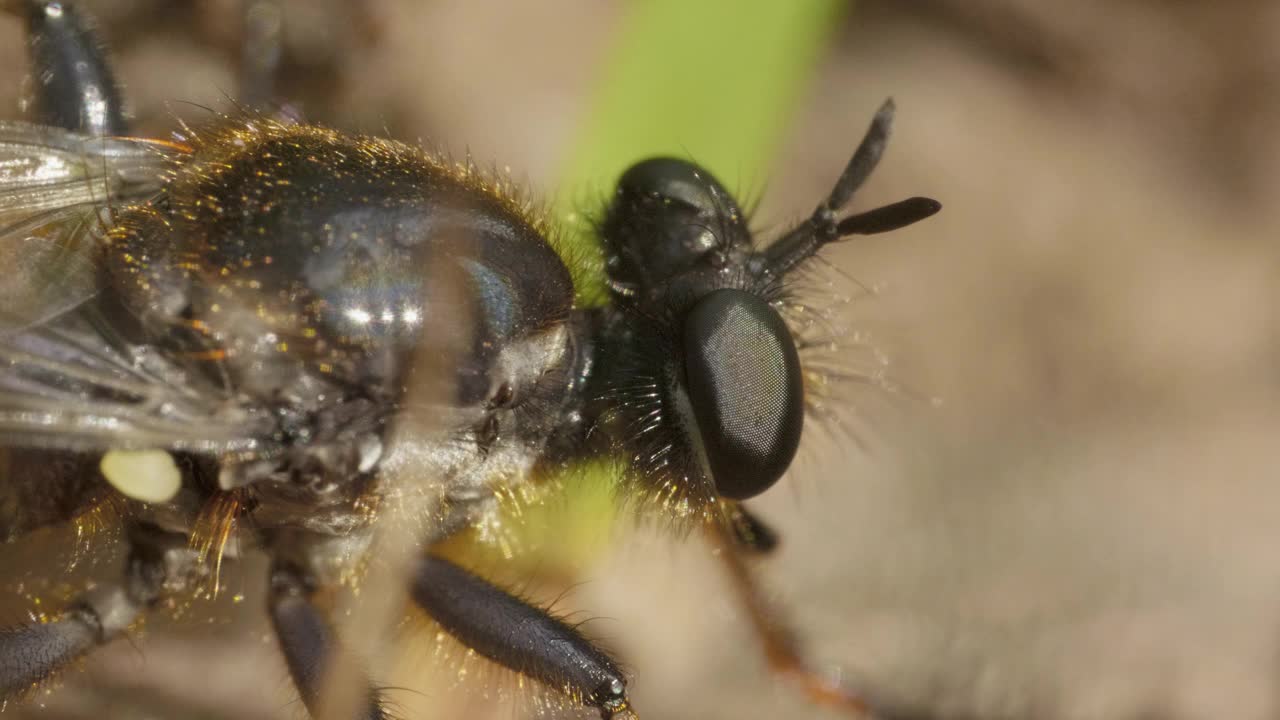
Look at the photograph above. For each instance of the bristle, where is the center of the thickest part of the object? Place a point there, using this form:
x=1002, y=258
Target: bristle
x=96, y=528
x=213, y=529
x=241, y=134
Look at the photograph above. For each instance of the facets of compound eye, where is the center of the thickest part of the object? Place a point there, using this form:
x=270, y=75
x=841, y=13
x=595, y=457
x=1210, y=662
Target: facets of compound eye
x=742, y=376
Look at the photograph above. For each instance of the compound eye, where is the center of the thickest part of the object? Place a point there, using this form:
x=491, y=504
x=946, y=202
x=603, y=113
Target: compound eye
x=742, y=376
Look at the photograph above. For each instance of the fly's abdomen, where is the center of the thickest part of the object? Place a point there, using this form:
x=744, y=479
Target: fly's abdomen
x=39, y=488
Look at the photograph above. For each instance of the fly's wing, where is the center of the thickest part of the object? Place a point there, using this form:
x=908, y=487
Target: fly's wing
x=56, y=192
x=63, y=382
x=65, y=385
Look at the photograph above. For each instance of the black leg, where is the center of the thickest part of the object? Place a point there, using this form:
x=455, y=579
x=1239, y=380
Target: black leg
x=780, y=646
x=311, y=649
x=260, y=53
x=519, y=636
x=31, y=653
x=75, y=87
x=750, y=533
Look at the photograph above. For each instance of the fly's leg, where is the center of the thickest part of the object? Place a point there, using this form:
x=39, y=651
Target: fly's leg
x=260, y=53
x=263, y=54
x=519, y=636
x=311, y=649
x=31, y=653
x=74, y=86
x=751, y=534
x=781, y=647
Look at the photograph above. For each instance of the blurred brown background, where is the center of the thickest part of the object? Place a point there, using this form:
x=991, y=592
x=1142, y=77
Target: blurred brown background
x=1085, y=527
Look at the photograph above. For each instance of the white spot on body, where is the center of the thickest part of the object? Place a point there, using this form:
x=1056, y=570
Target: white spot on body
x=149, y=476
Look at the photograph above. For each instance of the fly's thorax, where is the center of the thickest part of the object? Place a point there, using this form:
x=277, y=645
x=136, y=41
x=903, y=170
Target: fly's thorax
x=347, y=287
x=458, y=452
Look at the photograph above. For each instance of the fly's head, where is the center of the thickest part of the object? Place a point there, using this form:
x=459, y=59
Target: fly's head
x=698, y=364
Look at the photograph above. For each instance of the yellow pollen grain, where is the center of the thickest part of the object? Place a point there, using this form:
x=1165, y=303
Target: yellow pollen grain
x=149, y=476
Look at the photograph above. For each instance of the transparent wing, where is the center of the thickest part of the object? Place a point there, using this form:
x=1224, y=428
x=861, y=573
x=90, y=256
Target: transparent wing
x=65, y=381
x=57, y=189
x=65, y=384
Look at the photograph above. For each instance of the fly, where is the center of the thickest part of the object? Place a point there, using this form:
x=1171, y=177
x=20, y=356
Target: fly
x=279, y=330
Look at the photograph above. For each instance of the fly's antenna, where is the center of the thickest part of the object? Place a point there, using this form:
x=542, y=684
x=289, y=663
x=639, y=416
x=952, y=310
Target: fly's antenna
x=825, y=227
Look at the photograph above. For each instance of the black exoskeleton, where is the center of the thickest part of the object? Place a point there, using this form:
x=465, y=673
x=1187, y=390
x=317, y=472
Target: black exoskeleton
x=283, y=332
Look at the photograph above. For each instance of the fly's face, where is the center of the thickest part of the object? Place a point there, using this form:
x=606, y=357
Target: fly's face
x=700, y=365
x=725, y=369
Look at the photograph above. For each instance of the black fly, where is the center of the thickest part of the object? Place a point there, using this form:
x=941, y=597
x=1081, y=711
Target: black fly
x=282, y=331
